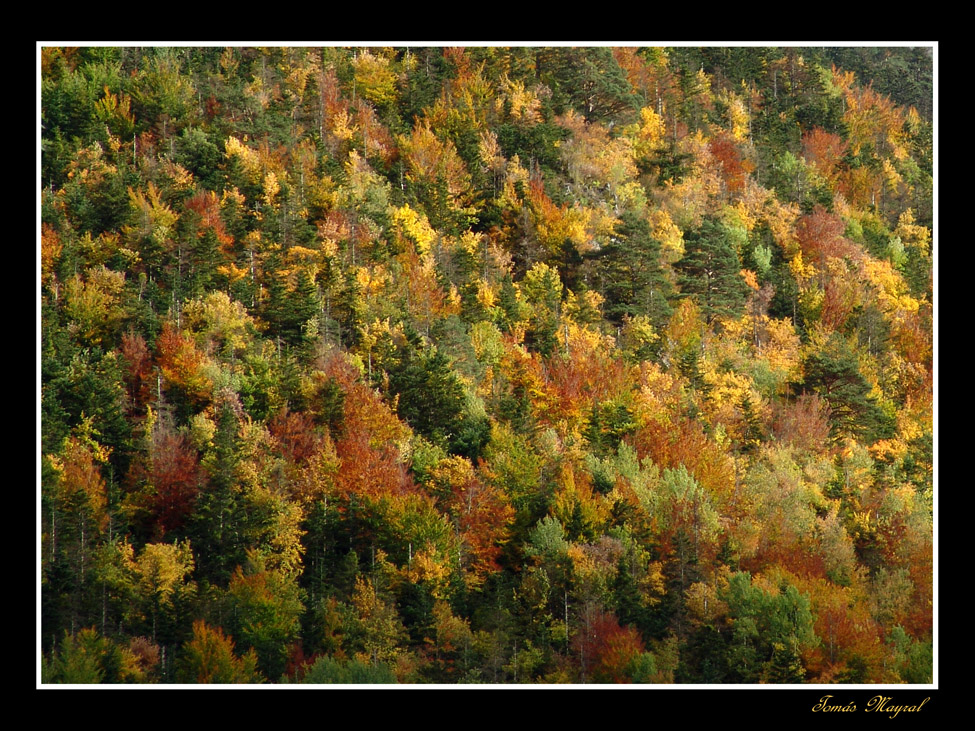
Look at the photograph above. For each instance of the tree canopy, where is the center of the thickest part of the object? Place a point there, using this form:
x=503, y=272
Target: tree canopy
x=486, y=365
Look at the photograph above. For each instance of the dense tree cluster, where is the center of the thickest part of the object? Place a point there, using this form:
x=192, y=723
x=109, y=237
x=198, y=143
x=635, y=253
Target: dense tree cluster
x=486, y=365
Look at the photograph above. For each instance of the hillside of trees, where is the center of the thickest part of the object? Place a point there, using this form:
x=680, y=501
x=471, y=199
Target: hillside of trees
x=486, y=365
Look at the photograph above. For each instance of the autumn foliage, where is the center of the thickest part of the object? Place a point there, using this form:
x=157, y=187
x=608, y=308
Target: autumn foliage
x=487, y=365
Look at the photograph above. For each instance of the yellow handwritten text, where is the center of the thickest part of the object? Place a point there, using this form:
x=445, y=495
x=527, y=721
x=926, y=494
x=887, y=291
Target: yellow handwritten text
x=883, y=704
x=824, y=705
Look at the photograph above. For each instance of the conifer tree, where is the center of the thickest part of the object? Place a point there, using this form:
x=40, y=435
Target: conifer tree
x=710, y=271
x=834, y=374
x=632, y=276
x=218, y=521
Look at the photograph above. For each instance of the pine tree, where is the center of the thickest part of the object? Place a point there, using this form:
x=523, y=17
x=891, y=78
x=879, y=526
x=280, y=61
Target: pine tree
x=834, y=373
x=543, y=293
x=431, y=399
x=205, y=256
x=785, y=666
x=289, y=311
x=303, y=306
x=633, y=278
x=592, y=80
x=710, y=271
x=218, y=521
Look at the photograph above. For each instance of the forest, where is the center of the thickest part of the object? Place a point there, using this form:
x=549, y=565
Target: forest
x=485, y=365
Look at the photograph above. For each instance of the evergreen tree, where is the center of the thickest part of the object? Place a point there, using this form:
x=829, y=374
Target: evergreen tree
x=785, y=666
x=834, y=373
x=84, y=658
x=591, y=81
x=329, y=671
x=632, y=275
x=218, y=523
x=703, y=658
x=289, y=311
x=543, y=293
x=431, y=399
x=204, y=257
x=710, y=271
